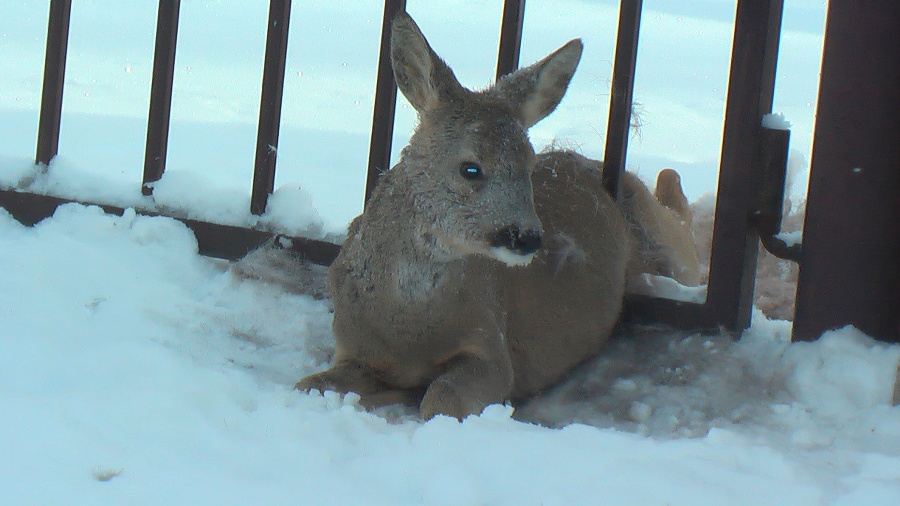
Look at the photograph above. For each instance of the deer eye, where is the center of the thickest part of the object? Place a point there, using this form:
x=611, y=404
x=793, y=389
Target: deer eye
x=471, y=171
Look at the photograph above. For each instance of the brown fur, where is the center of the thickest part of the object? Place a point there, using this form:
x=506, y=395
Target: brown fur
x=661, y=225
x=669, y=193
x=430, y=308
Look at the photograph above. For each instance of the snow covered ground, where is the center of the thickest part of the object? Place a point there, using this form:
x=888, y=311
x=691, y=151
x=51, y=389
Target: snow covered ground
x=134, y=371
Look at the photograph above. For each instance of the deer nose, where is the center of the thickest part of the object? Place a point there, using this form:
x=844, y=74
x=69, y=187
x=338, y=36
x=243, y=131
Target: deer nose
x=511, y=238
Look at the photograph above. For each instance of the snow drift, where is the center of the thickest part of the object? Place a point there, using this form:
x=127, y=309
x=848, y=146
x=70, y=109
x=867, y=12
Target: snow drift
x=133, y=370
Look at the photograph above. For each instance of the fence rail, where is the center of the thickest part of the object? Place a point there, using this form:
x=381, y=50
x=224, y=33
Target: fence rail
x=747, y=187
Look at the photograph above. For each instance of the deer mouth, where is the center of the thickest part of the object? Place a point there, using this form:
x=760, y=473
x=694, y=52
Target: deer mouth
x=515, y=247
x=508, y=246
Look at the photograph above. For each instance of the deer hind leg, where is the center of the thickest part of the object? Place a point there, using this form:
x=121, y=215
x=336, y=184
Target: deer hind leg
x=350, y=376
x=468, y=385
x=670, y=194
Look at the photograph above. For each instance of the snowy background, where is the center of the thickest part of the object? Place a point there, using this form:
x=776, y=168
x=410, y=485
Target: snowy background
x=134, y=371
x=680, y=85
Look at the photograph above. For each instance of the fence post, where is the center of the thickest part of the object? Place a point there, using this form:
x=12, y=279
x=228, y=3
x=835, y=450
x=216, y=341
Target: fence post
x=385, y=102
x=510, y=37
x=751, y=84
x=54, y=77
x=161, y=93
x=621, y=93
x=270, y=104
x=850, y=268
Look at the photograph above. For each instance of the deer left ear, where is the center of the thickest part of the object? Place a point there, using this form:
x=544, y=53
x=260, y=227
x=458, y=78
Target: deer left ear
x=421, y=75
x=535, y=91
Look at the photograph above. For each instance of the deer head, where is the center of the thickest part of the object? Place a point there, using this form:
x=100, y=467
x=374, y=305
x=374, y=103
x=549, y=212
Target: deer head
x=469, y=161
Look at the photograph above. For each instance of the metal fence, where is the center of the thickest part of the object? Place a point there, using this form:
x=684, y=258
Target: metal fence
x=850, y=270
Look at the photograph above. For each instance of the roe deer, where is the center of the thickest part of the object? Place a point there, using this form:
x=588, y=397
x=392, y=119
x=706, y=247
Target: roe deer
x=479, y=271
x=665, y=243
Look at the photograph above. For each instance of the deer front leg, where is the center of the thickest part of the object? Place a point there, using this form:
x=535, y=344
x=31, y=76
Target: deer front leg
x=350, y=376
x=468, y=385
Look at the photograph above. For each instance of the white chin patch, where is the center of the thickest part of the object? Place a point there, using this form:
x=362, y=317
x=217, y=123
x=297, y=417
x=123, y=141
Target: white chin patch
x=509, y=258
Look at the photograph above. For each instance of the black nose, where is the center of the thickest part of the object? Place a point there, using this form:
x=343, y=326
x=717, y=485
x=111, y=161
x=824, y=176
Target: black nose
x=523, y=243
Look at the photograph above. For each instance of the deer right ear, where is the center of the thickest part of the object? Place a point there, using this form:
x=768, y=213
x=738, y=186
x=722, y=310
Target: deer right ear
x=536, y=90
x=421, y=75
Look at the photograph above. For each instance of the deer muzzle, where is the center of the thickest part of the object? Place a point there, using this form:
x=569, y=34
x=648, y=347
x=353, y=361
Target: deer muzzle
x=517, y=241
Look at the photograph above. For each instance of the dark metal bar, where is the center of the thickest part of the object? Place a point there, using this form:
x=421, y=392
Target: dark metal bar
x=215, y=240
x=161, y=93
x=54, y=77
x=750, y=91
x=270, y=105
x=769, y=209
x=385, y=102
x=510, y=37
x=641, y=309
x=850, y=273
x=619, y=123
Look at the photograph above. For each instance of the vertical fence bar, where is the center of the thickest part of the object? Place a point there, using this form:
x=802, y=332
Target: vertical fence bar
x=54, y=77
x=385, y=102
x=270, y=104
x=619, y=123
x=510, y=36
x=751, y=84
x=850, y=269
x=161, y=93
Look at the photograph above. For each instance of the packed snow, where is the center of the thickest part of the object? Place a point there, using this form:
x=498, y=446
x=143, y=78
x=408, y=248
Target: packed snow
x=290, y=209
x=776, y=121
x=135, y=371
x=661, y=286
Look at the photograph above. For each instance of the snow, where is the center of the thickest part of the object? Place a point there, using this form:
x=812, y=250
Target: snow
x=290, y=208
x=136, y=371
x=776, y=121
x=662, y=286
x=791, y=238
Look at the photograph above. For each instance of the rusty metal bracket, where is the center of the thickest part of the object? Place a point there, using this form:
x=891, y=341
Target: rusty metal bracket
x=769, y=209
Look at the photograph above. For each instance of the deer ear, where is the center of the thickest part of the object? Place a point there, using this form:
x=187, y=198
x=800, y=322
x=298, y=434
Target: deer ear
x=421, y=75
x=535, y=91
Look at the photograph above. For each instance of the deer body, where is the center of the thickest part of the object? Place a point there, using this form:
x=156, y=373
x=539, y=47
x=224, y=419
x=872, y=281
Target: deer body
x=479, y=272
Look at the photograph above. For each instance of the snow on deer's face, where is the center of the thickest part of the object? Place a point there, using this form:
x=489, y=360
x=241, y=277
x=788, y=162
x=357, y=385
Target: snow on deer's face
x=469, y=163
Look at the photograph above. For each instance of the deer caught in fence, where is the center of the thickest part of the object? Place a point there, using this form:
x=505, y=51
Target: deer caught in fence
x=481, y=272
